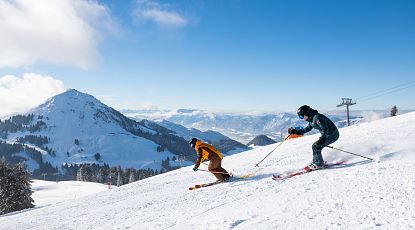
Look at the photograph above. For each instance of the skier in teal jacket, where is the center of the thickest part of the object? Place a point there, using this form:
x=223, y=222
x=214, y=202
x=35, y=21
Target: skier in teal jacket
x=329, y=132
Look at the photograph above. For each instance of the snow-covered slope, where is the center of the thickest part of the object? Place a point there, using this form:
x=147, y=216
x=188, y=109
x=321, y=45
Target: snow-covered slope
x=358, y=195
x=47, y=193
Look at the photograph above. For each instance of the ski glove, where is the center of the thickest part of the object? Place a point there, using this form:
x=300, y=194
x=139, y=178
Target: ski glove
x=292, y=130
x=195, y=169
x=320, y=141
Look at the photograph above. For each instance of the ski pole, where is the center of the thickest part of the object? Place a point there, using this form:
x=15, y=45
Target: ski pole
x=257, y=164
x=348, y=152
x=211, y=171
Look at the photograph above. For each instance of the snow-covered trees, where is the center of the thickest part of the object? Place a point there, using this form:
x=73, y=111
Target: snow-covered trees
x=15, y=192
x=97, y=156
x=84, y=173
x=120, y=177
x=105, y=174
x=40, y=141
x=132, y=175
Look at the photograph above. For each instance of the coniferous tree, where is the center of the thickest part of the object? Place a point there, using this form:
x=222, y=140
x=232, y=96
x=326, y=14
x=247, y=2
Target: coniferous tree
x=113, y=175
x=86, y=172
x=78, y=175
x=15, y=192
x=97, y=156
x=132, y=177
x=100, y=176
x=165, y=164
x=119, y=179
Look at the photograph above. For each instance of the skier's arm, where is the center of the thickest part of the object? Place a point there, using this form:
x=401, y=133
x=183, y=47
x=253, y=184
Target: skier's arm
x=307, y=129
x=199, y=157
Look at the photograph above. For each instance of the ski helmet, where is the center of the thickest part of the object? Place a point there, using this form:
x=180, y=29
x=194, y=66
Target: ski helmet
x=193, y=142
x=303, y=111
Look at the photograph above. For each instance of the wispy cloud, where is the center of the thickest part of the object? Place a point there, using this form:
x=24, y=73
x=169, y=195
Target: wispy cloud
x=161, y=14
x=59, y=32
x=20, y=94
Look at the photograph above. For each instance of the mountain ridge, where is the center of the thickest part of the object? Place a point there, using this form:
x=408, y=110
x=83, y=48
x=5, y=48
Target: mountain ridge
x=74, y=127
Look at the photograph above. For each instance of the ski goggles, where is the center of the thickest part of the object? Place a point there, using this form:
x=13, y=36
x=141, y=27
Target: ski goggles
x=301, y=116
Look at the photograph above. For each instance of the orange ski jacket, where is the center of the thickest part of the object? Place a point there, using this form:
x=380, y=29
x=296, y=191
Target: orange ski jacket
x=205, y=151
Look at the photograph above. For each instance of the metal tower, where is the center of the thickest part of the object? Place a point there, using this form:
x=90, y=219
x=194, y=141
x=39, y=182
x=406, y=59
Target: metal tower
x=347, y=102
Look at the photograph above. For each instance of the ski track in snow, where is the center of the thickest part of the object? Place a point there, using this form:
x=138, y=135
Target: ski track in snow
x=360, y=194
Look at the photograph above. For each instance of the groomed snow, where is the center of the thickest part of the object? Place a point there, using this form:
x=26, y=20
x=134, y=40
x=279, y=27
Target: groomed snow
x=359, y=195
x=48, y=192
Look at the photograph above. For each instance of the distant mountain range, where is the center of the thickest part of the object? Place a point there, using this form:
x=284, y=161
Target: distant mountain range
x=75, y=127
x=245, y=127
x=241, y=127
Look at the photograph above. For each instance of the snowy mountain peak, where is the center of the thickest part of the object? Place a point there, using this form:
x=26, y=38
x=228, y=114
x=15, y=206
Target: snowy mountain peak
x=76, y=128
x=77, y=109
x=69, y=100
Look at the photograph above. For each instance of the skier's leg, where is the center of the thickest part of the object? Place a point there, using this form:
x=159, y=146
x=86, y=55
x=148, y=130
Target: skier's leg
x=216, y=166
x=317, y=157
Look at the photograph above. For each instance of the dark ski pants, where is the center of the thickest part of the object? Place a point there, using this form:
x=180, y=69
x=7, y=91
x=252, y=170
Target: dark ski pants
x=317, y=157
x=216, y=166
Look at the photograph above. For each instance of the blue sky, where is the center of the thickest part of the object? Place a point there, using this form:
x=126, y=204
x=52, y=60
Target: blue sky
x=231, y=55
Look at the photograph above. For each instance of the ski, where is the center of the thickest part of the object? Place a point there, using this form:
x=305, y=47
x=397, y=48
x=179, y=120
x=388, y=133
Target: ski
x=248, y=175
x=197, y=186
x=233, y=178
x=306, y=169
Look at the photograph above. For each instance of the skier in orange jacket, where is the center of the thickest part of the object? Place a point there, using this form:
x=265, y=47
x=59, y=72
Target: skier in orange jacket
x=206, y=151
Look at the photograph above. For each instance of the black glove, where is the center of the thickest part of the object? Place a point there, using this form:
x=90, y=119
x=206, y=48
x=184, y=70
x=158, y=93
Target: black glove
x=320, y=141
x=291, y=130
